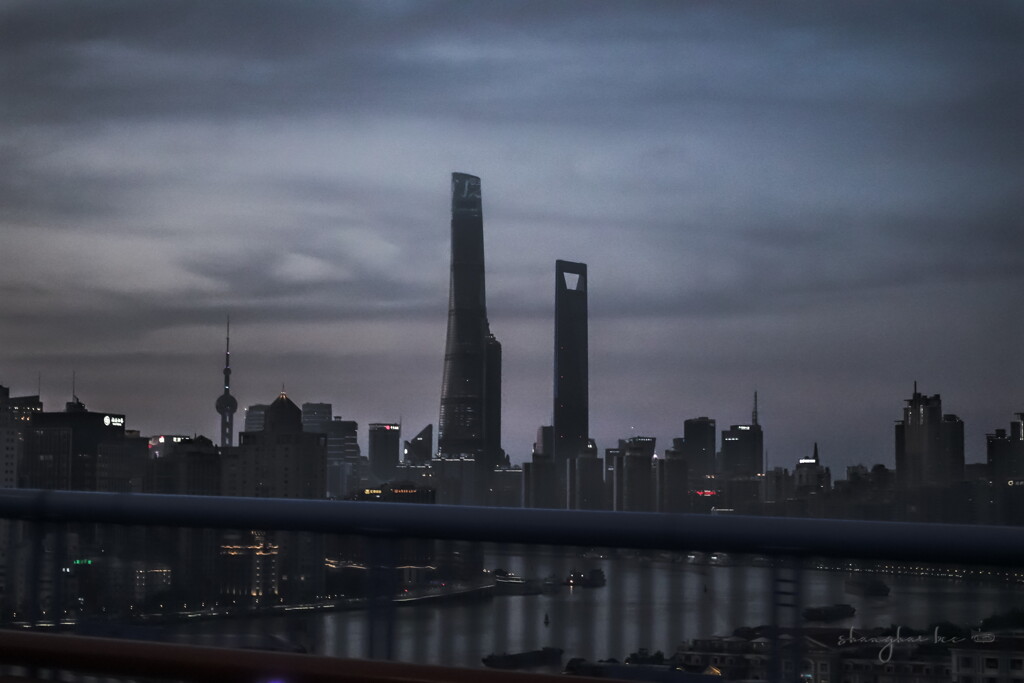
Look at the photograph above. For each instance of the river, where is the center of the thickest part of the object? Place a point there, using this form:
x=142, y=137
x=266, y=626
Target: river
x=655, y=604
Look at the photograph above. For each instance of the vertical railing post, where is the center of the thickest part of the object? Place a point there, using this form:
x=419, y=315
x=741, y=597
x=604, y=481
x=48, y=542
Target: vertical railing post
x=785, y=600
x=382, y=589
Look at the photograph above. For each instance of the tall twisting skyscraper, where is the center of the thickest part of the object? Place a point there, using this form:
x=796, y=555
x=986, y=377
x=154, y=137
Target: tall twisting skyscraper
x=226, y=403
x=471, y=386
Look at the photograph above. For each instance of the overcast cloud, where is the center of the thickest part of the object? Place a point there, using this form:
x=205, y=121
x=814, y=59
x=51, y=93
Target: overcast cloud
x=818, y=201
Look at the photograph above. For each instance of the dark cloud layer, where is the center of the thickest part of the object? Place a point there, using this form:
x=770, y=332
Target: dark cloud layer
x=820, y=201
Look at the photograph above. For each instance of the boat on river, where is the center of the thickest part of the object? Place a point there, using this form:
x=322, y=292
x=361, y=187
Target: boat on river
x=546, y=656
x=593, y=579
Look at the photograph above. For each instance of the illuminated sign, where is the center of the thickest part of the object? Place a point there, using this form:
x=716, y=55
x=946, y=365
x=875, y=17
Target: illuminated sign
x=706, y=493
x=743, y=427
x=113, y=420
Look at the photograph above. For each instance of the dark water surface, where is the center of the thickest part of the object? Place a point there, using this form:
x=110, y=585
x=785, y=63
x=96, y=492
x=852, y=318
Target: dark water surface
x=655, y=604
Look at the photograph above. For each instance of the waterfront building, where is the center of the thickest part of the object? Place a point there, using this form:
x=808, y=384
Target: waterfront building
x=280, y=461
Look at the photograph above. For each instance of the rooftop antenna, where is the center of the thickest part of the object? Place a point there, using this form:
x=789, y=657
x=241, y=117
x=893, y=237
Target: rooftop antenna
x=754, y=416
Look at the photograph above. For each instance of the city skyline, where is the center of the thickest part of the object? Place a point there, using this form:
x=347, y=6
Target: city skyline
x=819, y=203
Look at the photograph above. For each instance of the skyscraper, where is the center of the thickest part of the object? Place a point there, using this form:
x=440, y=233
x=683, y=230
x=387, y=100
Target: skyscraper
x=226, y=403
x=571, y=414
x=384, y=439
x=699, y=436
x=471, y=384
x=929, y=445
x=742, y=453
x=418, y=450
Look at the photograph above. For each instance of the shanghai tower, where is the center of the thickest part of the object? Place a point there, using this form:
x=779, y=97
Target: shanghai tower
x=470, y=420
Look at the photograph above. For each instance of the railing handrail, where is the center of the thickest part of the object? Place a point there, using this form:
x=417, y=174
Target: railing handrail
x=800, y=537
x=199, y=664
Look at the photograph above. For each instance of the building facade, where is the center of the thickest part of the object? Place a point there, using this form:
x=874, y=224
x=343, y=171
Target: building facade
x=571, y=412
x=471, y=383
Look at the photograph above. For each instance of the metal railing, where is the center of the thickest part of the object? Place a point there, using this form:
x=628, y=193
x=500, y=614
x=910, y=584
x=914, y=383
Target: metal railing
x=650, y=558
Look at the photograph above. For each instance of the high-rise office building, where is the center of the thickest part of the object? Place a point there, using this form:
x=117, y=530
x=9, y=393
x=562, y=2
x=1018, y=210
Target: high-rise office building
x=588, y=479
x=929, y=445
x=344, y=464
x=698, y=447
x=810, y=477
x=671, y=475
x=571, y=413
x=742, y=453
x=1005, y=454
x=634, y=478
x=471, y=384
x=254, y=417
x=16, y=413
x=383, y=446
x=1005, y=464
x=418, y=450
x=226, y=403
x=316, y=416
x=79, y=450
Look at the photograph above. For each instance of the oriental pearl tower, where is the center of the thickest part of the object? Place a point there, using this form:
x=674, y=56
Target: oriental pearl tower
x=226, y=403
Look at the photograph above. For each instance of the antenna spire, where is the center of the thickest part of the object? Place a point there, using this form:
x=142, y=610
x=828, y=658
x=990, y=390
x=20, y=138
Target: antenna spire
x=754, y=416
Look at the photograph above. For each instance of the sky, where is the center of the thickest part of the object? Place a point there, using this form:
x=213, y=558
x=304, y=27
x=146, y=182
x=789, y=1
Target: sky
x=817, y=201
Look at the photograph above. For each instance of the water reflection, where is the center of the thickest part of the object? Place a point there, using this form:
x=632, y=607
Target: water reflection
x=650, y=603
